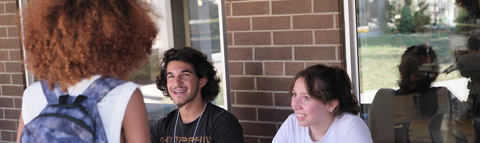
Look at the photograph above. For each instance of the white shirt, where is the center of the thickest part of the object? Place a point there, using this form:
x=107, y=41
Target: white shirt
x=346, y=128
x=111, y=108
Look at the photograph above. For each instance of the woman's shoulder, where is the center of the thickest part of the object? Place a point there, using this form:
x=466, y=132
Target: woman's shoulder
x=33, y=92
x=349, y=122
x=33, y=87
x=349, y=116
x=291, y=131
x=33, y=101
x=350, y=119
x=292, y=122
x=352, y=128
x=292, y=117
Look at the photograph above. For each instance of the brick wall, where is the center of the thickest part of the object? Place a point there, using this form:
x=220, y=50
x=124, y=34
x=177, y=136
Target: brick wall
x=11, y=72
x=269, y=41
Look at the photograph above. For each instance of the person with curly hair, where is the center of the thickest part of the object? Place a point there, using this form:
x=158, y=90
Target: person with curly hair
x=412, y=78
x=189, y=79
x=69, y=44
x=325, y=109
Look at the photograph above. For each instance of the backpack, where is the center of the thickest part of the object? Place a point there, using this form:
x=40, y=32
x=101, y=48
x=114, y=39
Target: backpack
x=70, y=119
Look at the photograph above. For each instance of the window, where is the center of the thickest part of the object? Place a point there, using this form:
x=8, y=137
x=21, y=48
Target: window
x=390, y=39
x=193, y=23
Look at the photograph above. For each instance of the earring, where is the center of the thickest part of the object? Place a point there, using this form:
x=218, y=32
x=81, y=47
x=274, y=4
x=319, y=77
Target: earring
x=331, y=111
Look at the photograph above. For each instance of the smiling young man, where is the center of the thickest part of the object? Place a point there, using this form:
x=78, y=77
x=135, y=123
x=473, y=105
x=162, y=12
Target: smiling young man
x=189, y=79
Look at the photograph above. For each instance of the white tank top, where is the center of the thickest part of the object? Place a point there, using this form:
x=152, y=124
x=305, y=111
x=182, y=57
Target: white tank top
x=111, y=108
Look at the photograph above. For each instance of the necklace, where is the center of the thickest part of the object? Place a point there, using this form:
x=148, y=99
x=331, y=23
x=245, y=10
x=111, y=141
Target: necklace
x=178, y=114
x=311, y=136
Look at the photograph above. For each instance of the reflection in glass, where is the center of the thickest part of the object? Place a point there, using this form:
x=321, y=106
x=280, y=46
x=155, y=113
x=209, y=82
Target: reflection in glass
x=386, y=30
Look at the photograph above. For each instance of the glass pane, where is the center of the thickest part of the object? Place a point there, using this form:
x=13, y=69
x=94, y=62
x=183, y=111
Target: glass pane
x=404, y=46
x=201, y=31
x=29, y=77
x=205, y=34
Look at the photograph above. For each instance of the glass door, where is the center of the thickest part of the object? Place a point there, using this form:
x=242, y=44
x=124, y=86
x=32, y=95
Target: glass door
x=406, y=50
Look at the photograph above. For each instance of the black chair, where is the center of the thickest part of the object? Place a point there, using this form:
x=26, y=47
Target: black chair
x=476, y=128
x=401, y=132
x=380, y=116
x=434, y=127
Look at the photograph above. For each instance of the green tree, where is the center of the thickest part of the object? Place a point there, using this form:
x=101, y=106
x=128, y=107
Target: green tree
x=406, y=21
x=419, y=18
x=459, y=24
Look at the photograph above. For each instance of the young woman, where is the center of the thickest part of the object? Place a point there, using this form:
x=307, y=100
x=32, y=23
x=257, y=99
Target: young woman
x=325, y=109
x=412, y=79
x=71, y=43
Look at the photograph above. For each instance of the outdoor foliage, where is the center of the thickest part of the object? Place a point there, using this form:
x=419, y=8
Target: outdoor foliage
x=420, y=19
x=406, y=20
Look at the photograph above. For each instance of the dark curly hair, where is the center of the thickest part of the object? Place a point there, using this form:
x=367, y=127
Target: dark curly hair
x=414, y=53
x=67, y=40
x=327, y=84
x=201, y=66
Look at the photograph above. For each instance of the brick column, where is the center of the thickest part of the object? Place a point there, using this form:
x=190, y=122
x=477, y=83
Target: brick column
x=11, y=72
x=269, y=41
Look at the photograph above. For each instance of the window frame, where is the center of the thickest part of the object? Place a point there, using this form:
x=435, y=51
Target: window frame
x=351, y=46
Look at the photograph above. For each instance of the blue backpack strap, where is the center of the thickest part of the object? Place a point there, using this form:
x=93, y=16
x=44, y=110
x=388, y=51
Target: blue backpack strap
x=51, y=95
x=100, y=87
x=95, y=93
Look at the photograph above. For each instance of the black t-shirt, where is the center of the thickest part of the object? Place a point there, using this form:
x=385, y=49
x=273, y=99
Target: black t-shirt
x=216, y=126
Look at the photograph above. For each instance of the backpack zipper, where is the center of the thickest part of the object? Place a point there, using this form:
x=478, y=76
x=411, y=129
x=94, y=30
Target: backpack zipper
x=75, y=120
x=85, y=110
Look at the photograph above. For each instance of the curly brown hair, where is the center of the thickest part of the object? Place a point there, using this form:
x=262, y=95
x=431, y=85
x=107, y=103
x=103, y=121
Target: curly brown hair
x=67, y=40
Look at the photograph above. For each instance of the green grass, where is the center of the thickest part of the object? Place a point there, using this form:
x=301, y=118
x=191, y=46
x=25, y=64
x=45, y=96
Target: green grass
x=378, y=66
x=379, y=59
